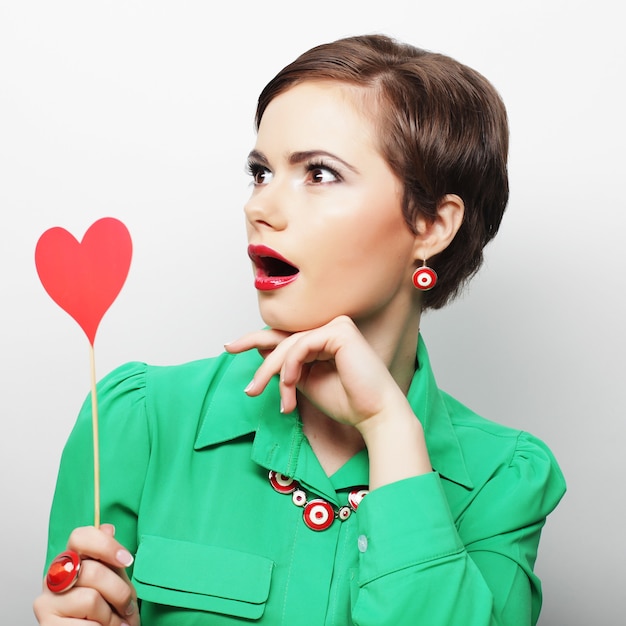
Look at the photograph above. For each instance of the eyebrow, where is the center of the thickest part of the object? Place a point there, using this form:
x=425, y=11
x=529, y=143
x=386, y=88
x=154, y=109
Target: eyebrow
x=295, y=158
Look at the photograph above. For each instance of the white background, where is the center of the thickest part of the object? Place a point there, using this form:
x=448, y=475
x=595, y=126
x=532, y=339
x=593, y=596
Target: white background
x=143, y=111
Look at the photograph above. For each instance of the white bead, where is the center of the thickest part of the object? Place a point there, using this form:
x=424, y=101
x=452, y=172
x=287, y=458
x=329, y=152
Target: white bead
x=299, y=497
x=344, y=513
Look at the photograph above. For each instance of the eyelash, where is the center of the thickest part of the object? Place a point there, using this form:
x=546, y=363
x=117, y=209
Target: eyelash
x=321, y=165
x=254, y=169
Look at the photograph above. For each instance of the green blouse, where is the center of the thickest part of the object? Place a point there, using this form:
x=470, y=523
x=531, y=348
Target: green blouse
x=185, y=455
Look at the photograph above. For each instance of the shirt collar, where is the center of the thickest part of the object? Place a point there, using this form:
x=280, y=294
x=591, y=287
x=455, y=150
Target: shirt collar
x=231, y=414
x=427, y=402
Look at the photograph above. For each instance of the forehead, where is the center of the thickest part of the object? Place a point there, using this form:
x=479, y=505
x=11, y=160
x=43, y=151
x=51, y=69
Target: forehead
x=322, y=110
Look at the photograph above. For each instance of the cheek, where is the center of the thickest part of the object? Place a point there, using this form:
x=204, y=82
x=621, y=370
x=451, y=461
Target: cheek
x=383, y=234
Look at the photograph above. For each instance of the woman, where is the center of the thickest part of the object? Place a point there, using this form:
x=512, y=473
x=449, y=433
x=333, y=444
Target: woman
x=240, y=483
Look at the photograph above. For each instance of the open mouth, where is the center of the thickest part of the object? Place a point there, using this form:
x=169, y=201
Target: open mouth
x=276, y=267
x=272, y=269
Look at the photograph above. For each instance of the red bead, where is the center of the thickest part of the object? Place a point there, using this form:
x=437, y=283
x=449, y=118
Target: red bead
x=281, y=483
x=355, y=497
x=63, y=571
x=318, y=514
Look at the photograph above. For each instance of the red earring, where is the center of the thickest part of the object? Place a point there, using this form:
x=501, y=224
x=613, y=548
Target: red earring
x=424, y=278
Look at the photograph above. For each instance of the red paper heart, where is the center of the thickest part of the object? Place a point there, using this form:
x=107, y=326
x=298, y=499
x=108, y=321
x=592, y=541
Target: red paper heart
x=85, y=278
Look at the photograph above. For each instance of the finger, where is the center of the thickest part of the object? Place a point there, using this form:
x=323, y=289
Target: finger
x=99, y=544
x=309, y=348
x=271, y=366
x=131, y=609
x=263, y=340
x=109, y=529
x=288, y=359
x=112, y=585
x=310, y=351
x=79, y=605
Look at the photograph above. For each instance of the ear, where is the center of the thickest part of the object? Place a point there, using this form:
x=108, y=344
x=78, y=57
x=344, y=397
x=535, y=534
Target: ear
x=435, y=236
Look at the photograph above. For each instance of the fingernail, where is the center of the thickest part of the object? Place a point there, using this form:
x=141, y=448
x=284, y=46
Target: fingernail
x=250, y=387
x=130, y=609
x=282, y=408
x=124, y=557
x=124, y=624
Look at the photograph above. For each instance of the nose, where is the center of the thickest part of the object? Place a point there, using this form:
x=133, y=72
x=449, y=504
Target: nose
x=265, y=208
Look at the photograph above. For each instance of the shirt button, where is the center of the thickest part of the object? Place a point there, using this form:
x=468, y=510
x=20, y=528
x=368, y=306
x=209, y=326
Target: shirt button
x=362, y=543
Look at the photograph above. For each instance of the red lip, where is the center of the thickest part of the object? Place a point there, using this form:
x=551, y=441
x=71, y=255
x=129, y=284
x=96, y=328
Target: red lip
x=273, y=270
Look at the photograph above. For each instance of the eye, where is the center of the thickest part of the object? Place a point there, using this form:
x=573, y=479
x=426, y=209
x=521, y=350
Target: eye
x=261, y=175
x=320, y=173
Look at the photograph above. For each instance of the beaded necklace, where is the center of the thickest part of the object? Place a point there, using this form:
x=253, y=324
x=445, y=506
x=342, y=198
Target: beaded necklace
x=318, y=514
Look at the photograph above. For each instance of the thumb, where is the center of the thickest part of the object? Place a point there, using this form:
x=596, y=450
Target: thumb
x=109, y=529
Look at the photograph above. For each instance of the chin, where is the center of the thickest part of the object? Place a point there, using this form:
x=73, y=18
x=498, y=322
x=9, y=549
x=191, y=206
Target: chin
x=294, y=322
x=289, y=326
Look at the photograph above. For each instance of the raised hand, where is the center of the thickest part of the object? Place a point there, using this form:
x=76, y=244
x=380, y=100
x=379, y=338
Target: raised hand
x=336, y=369
x=333, y=366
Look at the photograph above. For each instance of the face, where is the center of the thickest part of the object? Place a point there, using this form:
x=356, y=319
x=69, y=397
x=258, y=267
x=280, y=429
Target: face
x=325, y=226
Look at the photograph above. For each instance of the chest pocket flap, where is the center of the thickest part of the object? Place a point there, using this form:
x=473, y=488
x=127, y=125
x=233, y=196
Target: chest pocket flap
x=201, y=577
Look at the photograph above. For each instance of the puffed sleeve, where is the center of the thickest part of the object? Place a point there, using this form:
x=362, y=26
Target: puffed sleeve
x=422, y=563
x=124, y=452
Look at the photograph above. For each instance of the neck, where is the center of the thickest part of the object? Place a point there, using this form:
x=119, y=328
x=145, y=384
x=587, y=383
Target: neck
x=396, y=344
x=333, y=443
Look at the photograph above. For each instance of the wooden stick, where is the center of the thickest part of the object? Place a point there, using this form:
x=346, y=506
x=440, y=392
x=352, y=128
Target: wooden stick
x=96, y=444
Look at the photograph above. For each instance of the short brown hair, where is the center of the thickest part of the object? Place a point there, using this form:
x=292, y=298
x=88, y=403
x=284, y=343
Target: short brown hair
x=442, y=127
